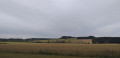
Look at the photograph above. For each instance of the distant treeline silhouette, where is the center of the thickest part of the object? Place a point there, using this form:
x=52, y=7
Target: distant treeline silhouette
x=20, y=39
x=94, y=39
x=12, y=40
x=106, y=40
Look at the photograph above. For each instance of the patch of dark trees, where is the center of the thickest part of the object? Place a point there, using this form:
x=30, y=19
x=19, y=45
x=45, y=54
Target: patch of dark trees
x=102, y=40
x=66, y=37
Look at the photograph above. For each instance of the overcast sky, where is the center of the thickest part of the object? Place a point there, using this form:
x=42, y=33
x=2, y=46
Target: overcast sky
x=55, y=18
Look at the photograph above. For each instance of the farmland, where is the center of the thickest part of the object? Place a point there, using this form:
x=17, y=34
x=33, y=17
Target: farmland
x=72, y=40
x=61, y=49
x=23, y=55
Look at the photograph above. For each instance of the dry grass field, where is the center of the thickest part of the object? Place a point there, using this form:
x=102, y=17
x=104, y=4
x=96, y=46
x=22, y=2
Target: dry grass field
x=72, y=40
x=23, y=55
x=80, y=50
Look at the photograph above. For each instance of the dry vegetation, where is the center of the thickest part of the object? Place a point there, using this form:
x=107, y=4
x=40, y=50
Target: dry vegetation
x=72, y=40
x=21, y=55
x=95, y=50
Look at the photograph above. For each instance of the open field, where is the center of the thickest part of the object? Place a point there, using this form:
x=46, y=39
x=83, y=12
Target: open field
x=71, y=40
x=62, y=49
x=18, y=55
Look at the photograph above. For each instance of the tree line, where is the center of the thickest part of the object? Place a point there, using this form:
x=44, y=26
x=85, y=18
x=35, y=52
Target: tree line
x=106, y=40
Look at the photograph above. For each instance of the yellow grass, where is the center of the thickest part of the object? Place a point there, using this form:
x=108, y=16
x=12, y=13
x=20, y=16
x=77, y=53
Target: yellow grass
x=95, y=50
x=22, y=55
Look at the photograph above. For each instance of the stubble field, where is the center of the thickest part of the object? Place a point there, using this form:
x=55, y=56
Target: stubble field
x=62, y=49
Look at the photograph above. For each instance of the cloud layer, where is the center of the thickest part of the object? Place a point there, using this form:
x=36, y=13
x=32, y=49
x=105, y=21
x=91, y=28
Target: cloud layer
x=55, y=18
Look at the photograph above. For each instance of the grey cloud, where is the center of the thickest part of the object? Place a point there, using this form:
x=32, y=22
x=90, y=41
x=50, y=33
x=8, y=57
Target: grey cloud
x=55, y=18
